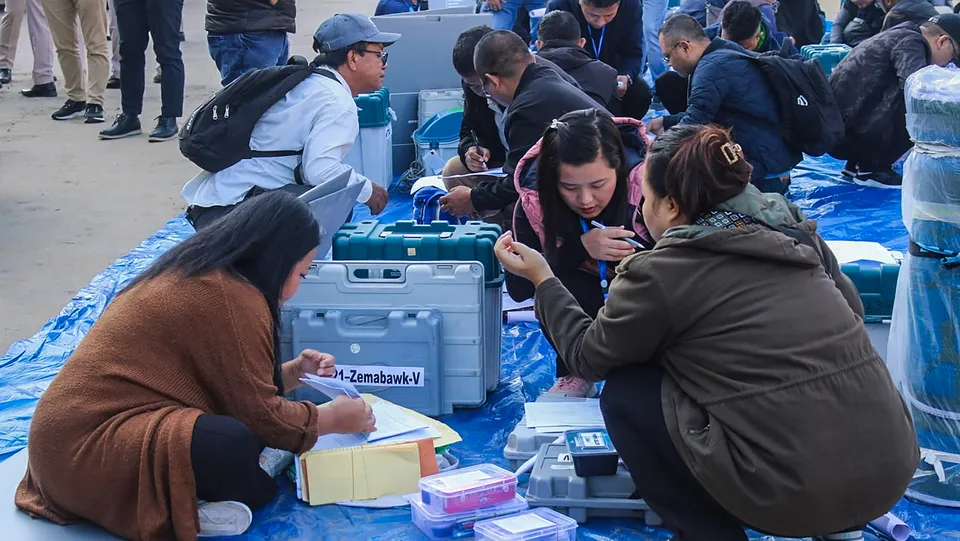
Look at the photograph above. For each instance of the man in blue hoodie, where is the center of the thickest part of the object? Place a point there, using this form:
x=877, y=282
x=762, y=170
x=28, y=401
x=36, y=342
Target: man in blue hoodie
x=731, y=91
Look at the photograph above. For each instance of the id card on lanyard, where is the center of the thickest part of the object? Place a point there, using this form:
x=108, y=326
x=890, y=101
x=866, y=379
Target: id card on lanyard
x=597, y=47
x=601, y=266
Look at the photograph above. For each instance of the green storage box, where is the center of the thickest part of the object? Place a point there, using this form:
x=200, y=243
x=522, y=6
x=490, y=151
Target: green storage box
x=374, y=109
x=877, y=285
x=407, y=240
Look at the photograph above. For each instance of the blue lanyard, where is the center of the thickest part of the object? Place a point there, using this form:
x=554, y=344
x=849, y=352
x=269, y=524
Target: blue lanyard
x=597, y=47
x=601, y=264
x=415, y=8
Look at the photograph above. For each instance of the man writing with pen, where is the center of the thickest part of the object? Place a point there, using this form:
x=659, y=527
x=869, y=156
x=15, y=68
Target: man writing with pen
x=511, y=96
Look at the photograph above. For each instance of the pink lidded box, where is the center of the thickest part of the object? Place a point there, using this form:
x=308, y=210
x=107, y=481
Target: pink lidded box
x=469, y=488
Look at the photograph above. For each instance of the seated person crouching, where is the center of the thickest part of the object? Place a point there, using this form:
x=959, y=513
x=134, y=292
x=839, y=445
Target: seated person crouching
x=741, y=385
x=175, y=390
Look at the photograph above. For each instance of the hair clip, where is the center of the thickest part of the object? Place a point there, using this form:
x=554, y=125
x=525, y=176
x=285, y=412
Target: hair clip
x=555, y=125
x=732, y=152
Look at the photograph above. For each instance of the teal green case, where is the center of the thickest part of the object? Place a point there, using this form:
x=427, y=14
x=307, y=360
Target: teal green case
x=877, y=285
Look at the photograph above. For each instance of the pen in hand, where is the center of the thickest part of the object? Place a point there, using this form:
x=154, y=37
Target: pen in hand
x=476, y=145
x=631, y=242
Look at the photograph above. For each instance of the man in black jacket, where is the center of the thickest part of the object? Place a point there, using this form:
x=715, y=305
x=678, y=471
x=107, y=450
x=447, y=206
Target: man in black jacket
x=614, y=34
x=868, y=85
x=559, y=40
x=482, y=117
x=534, y=93
x=244, y=35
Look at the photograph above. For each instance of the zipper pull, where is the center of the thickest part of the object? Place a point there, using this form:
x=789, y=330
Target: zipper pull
x=215, y=117
x=226, y=111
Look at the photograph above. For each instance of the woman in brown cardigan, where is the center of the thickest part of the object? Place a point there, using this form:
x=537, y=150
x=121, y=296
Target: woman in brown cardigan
x=176, y=389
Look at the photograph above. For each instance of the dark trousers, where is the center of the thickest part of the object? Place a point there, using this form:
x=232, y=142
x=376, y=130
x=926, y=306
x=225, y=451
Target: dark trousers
x=631, y=408
x=236, y=54
x=137, y=21
x=586, y=289
x=867, y=156
x=635, y=102
x=226, y=463
x=671, y=90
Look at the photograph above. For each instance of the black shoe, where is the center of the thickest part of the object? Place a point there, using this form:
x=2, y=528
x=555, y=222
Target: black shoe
x=157, y=78
x=46, y=90
x=70, y=109
x=880, y=179
x=5, y=76
x=124, y=126
x=166, y=129
x=93, y=114
x=850, y=169
x=113, y=83
x=183, y=37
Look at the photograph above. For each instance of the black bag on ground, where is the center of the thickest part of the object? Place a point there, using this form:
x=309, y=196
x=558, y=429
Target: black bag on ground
x=217, y=134
x=810, y=120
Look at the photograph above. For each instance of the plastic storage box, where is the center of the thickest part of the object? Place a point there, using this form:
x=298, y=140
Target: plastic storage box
x=829, y=54
x=439, y=526
x=555, y=484
x=593, y=453
x=439, y=241
x=455, y=289
x=441, y=133
x=524, y=442
x=877, y=285
x=431, y=102
x=394, y=354
x=466, y=489
x=372, y=152
x=536, y=525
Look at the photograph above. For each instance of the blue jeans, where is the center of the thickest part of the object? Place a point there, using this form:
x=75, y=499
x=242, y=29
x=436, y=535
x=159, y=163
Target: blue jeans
x=653, y=13
x=236, y=54
x=506, y=18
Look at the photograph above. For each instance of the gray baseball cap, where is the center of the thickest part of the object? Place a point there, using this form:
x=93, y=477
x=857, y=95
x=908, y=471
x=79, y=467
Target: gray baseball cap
x=346, y=29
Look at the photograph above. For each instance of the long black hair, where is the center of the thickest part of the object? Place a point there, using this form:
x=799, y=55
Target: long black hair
x=578, y=138
x=260, y=241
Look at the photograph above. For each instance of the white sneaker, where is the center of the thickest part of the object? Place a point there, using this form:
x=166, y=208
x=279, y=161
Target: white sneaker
x=223, y=518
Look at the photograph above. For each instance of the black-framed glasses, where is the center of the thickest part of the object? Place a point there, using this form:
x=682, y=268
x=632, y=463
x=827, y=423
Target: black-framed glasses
x=483, y=85
x=382, y=54
x=668, y=54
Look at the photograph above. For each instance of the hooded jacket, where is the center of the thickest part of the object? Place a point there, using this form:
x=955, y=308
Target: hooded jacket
x=854, y=25
x=915, y=11
x=868, y=84
x=239, y=16
x=732, y=91
x=773, y=394
x=596, y=79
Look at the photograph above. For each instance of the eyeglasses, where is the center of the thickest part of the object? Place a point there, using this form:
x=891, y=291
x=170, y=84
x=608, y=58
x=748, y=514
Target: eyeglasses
x=483, y=85
x=382, y=54
x=668, y=54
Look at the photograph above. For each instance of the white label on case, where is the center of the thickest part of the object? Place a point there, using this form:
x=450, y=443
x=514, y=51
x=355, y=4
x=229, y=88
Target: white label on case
x=462, y=480
x=523, y=523
x=380, y=376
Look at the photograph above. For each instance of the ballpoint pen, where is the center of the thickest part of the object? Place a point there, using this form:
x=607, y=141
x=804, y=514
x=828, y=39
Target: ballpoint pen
x=476, y=144
x=632, y=242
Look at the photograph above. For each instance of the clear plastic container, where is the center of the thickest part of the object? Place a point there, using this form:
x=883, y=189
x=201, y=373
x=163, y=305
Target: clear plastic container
x=437, y=526
x=467, y=489
x=538, y=525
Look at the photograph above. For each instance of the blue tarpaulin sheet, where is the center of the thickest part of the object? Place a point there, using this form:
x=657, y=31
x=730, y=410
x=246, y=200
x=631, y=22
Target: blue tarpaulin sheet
x=844, y=211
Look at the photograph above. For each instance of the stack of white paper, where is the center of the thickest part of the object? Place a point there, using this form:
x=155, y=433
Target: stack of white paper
x=332, y=387
x=554, y=417
x=847, y=251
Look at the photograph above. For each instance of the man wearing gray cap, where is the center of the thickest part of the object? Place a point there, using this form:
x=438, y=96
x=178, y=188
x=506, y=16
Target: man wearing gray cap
x=318, y=115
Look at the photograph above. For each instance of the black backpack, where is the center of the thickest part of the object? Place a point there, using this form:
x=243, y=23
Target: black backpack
x=217, y=134
x=810, y=120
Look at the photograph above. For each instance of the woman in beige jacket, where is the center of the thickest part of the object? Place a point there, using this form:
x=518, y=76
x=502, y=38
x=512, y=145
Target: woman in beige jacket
x=741, y=386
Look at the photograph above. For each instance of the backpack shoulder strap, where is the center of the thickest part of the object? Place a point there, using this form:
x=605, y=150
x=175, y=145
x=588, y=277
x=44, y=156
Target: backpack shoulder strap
x=326, y=73
x=786, y=48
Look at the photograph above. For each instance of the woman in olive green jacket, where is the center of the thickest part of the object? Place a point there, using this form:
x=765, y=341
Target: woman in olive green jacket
x=742, y=388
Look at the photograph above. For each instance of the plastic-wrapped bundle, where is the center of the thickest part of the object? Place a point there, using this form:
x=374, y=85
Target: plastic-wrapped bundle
x=933, y=105
x=924, y=349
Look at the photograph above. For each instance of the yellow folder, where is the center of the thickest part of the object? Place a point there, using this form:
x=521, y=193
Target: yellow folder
x=372, y=470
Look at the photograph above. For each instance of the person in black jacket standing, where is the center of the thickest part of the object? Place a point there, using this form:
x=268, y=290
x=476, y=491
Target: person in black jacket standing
x=559, y=40
x=534, y=94
x=614, y=34
x=244, y=35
